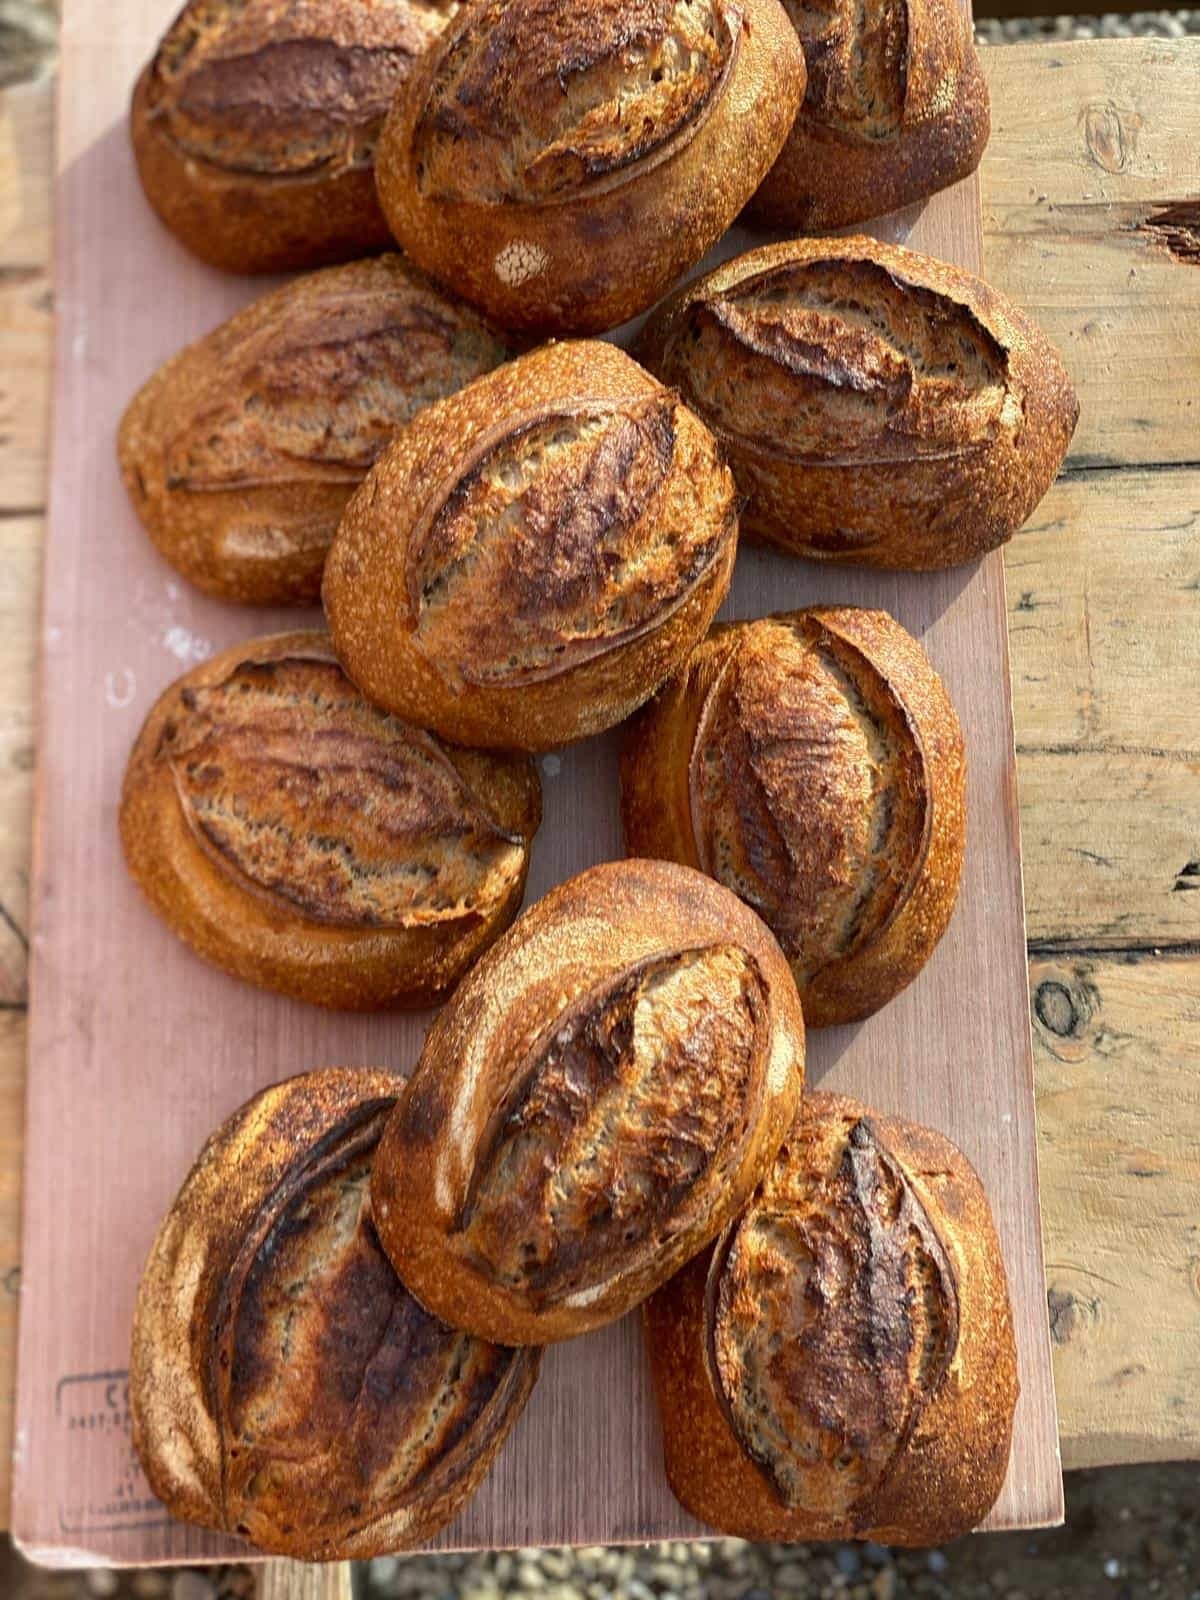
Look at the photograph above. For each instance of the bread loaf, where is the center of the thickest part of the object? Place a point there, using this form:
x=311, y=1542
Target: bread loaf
x=254, y=125
x=599, y=1097
x=896, y=108
x=241, y=453
x=841, y=1364
x=561, y=165
x=284, y=1384
x=877, y=406
x=532, y=557
x=300, y=838
x=812, y=763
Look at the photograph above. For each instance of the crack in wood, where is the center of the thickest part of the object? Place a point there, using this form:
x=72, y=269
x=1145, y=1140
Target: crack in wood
x=1099, y=948
x=11, y=922
x=1088, y=466
x=1175, y=228
x=1147, y=752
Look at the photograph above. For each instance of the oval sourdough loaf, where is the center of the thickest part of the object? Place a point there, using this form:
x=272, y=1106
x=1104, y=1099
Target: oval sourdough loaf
x=813, y=764
x=300, y=838
x=532, y=557
x=841, y=1364
x=254, y=125
x=284, y=1384
x=877, y=406
x=561, y=165
x=241, y=453
x=599, y=1097
x=896, y=108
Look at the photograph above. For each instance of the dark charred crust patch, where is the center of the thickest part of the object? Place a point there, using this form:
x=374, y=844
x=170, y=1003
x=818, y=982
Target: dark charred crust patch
x=809, y=793
x=334, y=1388
x=287, y=91
x=620, y=1110
x=857, y=57
x=609, y=89
x=313, y=800
x=562, y=536
x=832, y=1321
x=842, y=360
x=313, y=384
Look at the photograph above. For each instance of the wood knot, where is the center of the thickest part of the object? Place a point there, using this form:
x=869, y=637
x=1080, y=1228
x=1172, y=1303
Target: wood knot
x=1110, y=136
x=1066, y=1005
x=1069, y=1314
x=1056, y=1009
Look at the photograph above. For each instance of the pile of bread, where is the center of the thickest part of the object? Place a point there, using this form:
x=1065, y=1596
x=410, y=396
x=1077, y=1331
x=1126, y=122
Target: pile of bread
x=518, y=545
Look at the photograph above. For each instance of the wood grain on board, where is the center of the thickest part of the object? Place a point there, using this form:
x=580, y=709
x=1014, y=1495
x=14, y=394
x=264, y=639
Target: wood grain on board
x=1150, y=1021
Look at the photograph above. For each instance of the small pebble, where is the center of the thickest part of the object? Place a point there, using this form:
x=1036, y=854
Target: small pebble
x=149, y=1585
x=849, y=1562
x=877, y=1554
x=481, y=1588
x=936, y=1561
x=1112, y=1568
x=883, y=1585
x=102, y=1582
x=1158, y=1552
x=791, y=1575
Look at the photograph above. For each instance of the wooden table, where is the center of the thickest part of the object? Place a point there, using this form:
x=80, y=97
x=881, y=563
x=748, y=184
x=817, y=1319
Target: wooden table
x=1092, y=220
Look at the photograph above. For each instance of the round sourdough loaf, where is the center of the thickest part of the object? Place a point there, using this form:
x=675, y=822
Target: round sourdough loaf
x=284, y=1384
x=841, y=1364
x=813, y=764
x=561, y=165
x=255, y=122
x=302, y=839
x=597, y=1100
x=877, y=406
x=896, y=108
x=532, y=557
x=241, y=453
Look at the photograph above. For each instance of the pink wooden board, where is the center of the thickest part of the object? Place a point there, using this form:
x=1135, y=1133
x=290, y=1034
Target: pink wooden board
x=137, y=1049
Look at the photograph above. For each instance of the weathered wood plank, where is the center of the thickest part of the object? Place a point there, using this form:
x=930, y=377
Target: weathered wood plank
x=1118, y=1080
x=19, y=552
x=1104, y=613
x=12, y=1117
x=1104, y=623
x=1091, y=202
x=26, y=299
x=1112, y=849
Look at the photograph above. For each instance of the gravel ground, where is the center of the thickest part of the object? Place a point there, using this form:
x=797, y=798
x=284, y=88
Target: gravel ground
x=1130, y=1532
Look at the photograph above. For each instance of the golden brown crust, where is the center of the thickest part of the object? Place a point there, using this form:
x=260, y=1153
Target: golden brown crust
x=241, y=453
x=841, y=1364
x=300, y=838
x=254, y=125
x=596, y=1101
x=560, y=166
x=284, y=1384
x=812, y=763
x=896, y=109
x=877, y=406
x=531, y=558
